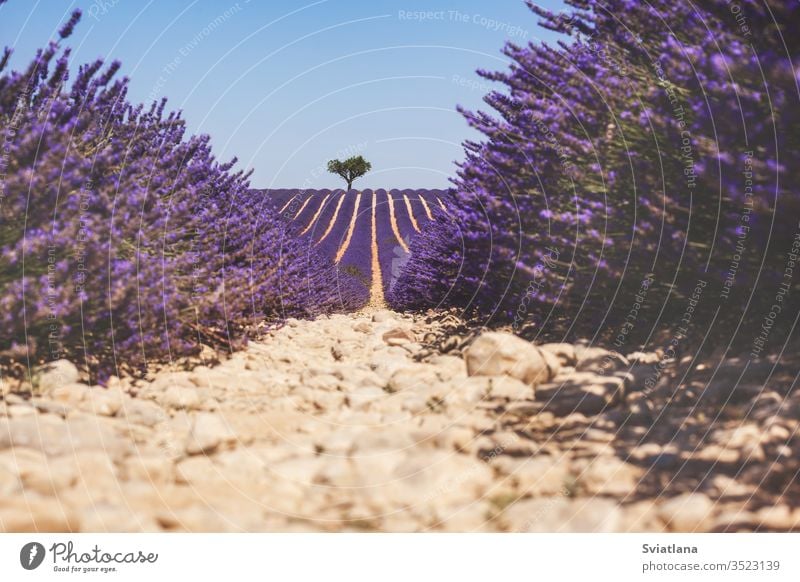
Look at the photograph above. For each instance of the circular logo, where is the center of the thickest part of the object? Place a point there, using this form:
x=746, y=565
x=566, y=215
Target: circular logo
x=31, y=555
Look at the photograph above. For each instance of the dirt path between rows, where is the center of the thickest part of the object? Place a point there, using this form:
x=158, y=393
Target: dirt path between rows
x=358, y=423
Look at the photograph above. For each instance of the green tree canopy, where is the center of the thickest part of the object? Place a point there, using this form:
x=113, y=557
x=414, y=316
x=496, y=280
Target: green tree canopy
x=349, y=170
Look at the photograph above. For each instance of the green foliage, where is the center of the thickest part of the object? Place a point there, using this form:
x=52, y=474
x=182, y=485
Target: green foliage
x=349, y=170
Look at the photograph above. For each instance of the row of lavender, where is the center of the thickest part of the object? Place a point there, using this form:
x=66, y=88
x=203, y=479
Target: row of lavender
x=339, y=225
x=123, y=239
x=638, y=179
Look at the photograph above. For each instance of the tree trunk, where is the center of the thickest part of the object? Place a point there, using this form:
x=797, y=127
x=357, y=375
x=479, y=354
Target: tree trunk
x=349, y=185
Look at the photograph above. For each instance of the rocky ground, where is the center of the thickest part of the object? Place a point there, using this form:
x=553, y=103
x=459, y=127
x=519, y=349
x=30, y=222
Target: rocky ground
x=382, y=422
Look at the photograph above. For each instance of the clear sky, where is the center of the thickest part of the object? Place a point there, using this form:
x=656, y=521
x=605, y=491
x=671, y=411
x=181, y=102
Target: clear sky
x=285, y=85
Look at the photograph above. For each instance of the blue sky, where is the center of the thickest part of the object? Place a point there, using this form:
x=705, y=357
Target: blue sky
x=285, y=85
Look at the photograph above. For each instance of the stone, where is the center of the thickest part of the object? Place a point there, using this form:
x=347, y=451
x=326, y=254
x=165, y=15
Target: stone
x=71, y=394
x=600, y=361
x=385, y=364
x=640, y=517
x=31, y=514
x=638, y=376
x=196, y=470
x=327, y=382
x=412, y=377
x=415, y=404
x=509, y=389
x=468, y=519
x=21, y=410
x=18, y=460
x=564, y=352
x=51, y=438
x=497, y=353
x=91, y=433
x=726, y=391
x=552, y=361
x=192, y=519
x=778, y=518
x=746, y=440
x=150, y=468
x=542, y=475
x=208, y=432
x=607, y=475
x=363, y=327
x=435, y=478
x=103, y=401
x=470, y=391
x=363, y=398
x=586, y=394
x=14, y=399
x=372, y=440
x=459, y=438
x=645, y=358
x=114, y=519
x=246, y=465
x=449, y=367
x=365, y=378
x=49, y=476
x=382, y=316
x=298, y=470
x=50, y=407
x=398, y=335
x=181, y=398
x=640, y=409
x=687, y=513
x=56, y=374
x=10, y=483
x=563, y=515
x=142, y=412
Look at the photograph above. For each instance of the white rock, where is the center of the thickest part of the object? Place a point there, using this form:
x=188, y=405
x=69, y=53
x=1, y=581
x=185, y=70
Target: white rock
x=449, y=367
x=56, y=374
x=510, y=389
x=383, y=316
x=496, y=353
x=143, y=412
x=9, y=482
x=398, y=336
x=181, y=398
x=552, y=361
x=363, y=398
x=363, y=327
x=196, y=470
x=564, y=352
x=541, y=475
x=150, y=468
x=607, y=475
x=412, y=377
x=33, y=514
x=688, y=512
x=564, y=515
x=599, y=360
x=208, y=432
x=69, y=393
x=103, y=401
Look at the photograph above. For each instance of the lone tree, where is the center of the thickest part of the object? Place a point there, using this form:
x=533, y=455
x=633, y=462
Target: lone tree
x=350, y=170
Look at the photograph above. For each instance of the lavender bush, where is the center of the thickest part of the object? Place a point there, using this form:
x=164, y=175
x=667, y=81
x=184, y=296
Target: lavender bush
x=124, y=240
x=638, y=157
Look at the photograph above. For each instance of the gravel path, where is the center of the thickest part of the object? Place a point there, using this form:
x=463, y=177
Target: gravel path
x=356, y=423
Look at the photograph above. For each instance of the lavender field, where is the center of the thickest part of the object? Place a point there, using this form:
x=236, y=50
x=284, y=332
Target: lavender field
x=365, y=233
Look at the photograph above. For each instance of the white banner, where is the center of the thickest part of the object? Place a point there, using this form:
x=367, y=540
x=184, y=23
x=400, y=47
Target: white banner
x=400, y=557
